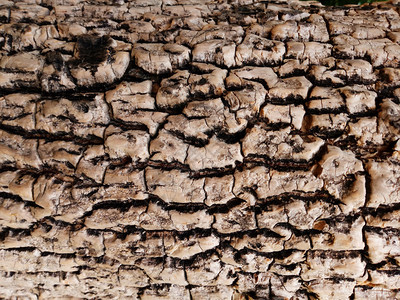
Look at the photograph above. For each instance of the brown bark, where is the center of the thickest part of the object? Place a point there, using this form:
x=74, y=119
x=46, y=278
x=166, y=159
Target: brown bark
x=178, y=149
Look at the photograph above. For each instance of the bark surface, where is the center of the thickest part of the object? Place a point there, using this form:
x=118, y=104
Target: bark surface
x=179, y=149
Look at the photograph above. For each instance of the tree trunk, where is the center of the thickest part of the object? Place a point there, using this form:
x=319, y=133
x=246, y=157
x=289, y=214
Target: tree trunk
x=180, y=149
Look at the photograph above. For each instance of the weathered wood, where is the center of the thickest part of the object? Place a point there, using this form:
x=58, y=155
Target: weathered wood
x=178, y=149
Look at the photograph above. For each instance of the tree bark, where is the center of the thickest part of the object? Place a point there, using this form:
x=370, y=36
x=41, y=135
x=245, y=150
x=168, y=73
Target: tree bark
x=179, y=149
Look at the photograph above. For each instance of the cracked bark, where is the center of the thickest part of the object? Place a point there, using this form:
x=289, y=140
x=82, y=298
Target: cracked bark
x=199, y=150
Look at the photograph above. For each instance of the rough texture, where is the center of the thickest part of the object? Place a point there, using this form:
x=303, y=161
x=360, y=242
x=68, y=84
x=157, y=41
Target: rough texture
x=179, y=149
